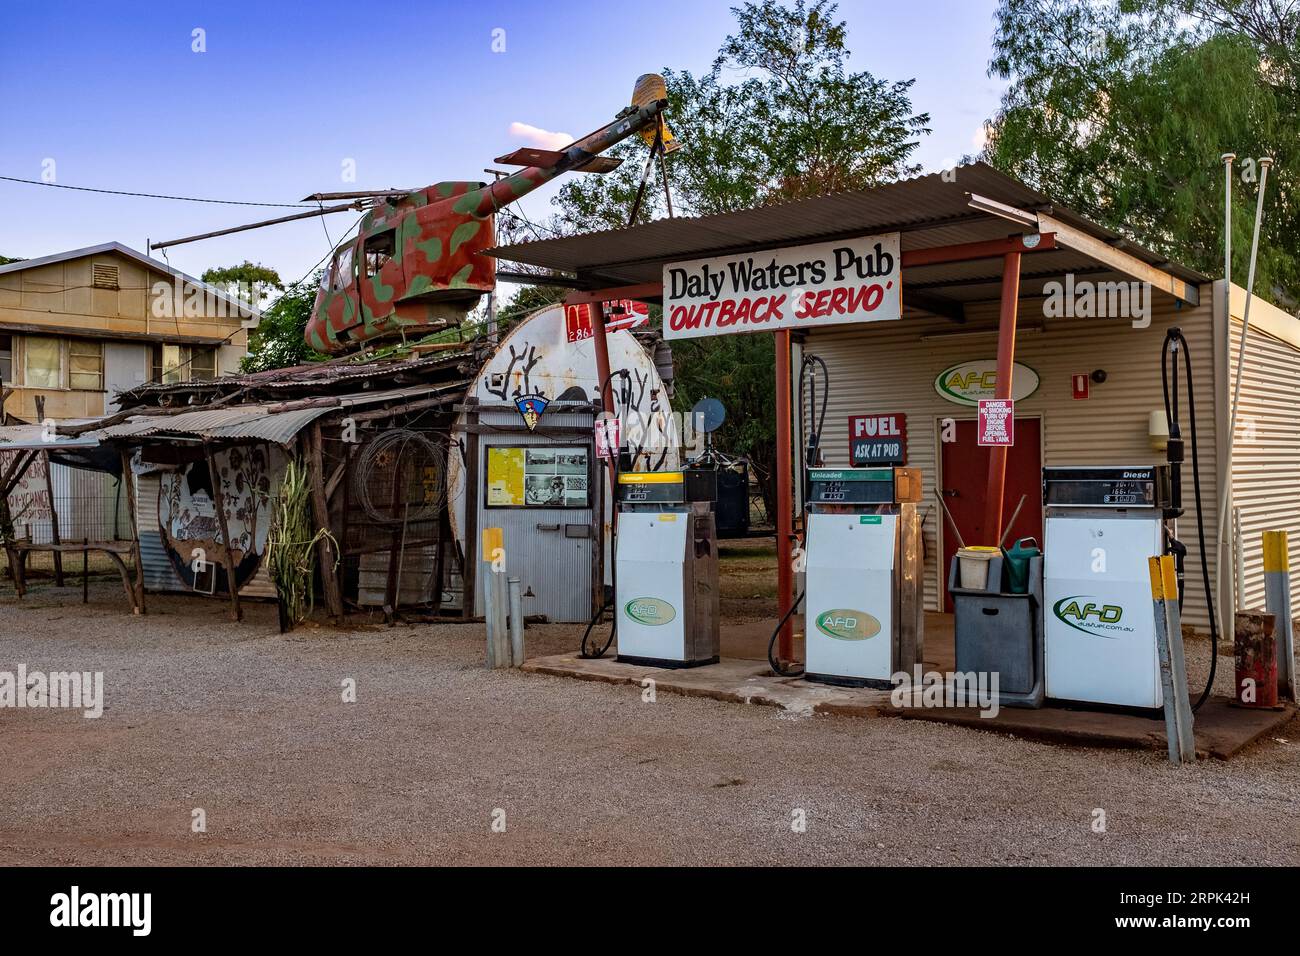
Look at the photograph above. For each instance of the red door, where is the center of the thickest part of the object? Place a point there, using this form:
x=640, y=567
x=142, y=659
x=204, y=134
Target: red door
x=964, y=470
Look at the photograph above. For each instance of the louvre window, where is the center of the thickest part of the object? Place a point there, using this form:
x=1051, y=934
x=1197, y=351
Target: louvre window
x=105, y=276
x=6, y=358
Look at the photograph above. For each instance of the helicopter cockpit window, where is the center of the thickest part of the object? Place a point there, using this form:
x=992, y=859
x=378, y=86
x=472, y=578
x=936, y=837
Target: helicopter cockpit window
x=341, y=274
x=379, y=249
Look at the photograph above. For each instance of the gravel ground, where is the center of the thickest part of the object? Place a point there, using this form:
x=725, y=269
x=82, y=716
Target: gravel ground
x=250, y=727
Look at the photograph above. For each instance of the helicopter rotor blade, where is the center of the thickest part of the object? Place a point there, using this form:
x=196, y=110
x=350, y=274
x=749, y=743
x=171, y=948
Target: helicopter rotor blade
x=358, y=194
x=258, y=225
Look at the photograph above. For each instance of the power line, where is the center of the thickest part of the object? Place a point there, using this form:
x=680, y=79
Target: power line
x=123, y=192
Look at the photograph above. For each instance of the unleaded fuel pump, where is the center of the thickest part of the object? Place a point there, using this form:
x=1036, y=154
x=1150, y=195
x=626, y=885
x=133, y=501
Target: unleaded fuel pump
x=862, y=599
x=666, y=568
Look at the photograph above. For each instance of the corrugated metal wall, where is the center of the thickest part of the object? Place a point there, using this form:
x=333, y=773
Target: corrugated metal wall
x=1266, y=454
x=887, y=367
x=158, y=573
x=555, y=569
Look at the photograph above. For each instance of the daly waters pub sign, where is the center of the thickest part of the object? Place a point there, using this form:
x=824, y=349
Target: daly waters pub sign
x=831, y=283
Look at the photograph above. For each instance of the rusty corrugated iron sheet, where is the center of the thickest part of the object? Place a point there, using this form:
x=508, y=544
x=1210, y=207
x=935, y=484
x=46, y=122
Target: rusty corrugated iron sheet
x=928, y=210
x=260, y=421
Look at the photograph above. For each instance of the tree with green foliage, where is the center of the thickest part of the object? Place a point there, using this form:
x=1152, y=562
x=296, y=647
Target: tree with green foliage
x=248, y=281
x=1122, y=109
x=5, y=260
x=779, y=116
x=278, y=341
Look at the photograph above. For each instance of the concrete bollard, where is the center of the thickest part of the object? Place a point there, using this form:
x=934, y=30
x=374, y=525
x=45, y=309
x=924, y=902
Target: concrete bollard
x=1277, y=598
x=516, y=623
x=495, y=600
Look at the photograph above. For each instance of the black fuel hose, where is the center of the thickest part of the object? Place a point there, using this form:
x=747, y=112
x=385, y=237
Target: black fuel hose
x=588, y=654
x=1168, y=358
x=771, y=644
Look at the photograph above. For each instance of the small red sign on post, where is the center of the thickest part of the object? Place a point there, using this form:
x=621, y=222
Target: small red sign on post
x=997, y=418
x=1079, y=385
x=620, y=315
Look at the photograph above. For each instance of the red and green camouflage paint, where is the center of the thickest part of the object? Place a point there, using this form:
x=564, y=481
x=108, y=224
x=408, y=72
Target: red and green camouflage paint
x=417, y=261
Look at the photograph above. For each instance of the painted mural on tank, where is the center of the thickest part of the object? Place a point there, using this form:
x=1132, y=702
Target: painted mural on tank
x=187, y=514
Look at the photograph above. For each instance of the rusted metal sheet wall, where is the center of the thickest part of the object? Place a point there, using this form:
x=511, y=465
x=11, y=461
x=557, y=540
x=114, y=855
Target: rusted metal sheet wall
x=889, y=367
x=1266, y=454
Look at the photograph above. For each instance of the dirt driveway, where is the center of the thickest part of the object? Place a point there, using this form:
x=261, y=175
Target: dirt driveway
x=250, y=727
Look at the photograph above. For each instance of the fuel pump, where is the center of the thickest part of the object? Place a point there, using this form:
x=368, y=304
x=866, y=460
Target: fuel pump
x=863, y=601
x=666, y=568
x=1101, y=526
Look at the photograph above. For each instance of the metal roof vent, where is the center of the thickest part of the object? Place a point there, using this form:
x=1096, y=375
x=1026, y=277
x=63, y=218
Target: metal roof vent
x=105, y=276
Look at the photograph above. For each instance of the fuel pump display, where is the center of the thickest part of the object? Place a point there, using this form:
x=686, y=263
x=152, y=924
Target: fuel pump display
x=666, y=568
x=1102, y=524
x=863, y=607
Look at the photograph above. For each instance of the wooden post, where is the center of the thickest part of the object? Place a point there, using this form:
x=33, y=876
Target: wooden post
x=128, y=488
x=321, y=514
x=219, y=502
x=997, y=475
x=469, y=570
x=1173, y=669
x=49, y=490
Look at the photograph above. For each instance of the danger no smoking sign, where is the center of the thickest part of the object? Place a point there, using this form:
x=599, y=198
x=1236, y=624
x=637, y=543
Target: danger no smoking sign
x=997, y=417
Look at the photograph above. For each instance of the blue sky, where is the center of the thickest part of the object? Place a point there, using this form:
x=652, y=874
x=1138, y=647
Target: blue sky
x=411, y=92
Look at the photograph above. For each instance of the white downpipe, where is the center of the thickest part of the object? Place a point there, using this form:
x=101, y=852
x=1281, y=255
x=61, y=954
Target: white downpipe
x=1264, y=164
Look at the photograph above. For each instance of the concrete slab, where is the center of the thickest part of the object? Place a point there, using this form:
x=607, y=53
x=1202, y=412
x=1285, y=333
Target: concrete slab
x=739, y=681
x=1222, y=729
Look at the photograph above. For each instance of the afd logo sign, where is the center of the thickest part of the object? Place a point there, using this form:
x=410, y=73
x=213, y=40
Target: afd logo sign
x=650, y=610
x=1088, y=614
x=846, y=624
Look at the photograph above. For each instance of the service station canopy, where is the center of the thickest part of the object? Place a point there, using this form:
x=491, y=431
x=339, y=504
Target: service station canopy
x=947, y=233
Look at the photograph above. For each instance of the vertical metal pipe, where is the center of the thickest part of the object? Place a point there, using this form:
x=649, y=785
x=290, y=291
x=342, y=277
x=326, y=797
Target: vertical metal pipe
x=997, y=475
x=516, y=623
x=1239, y=545
x=1265, y=163
x=784, y=494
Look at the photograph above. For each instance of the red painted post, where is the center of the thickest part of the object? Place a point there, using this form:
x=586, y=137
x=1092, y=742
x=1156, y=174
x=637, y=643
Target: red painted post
x=599, y=338
x=784, y=494
x=1002, y=389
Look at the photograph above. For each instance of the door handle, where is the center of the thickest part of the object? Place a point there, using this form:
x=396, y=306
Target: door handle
x=548, y=527
x=951, y=493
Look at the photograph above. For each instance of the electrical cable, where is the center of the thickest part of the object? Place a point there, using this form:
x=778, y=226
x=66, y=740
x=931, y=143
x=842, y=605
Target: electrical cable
x=1174, y=340
x=123, y=192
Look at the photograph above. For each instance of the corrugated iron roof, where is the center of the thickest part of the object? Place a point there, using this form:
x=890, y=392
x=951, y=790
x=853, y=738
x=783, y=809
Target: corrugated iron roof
x=928, y=210
x=256, y=422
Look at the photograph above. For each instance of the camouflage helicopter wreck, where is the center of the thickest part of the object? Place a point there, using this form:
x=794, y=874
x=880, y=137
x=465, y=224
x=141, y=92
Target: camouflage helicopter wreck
x=415, y=265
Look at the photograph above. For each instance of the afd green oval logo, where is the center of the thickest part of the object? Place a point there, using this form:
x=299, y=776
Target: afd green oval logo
x=1091, y=615
x=967, y=383
x=846, y=624
x=649, y=610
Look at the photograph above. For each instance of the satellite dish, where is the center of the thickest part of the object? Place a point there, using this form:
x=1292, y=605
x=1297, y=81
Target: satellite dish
x=710, y=414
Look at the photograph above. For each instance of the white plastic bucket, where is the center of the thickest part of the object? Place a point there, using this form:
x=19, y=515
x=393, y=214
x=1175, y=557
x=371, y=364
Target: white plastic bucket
x=973, y=567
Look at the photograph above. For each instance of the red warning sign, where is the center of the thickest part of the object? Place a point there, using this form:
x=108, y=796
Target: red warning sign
x=997, y=421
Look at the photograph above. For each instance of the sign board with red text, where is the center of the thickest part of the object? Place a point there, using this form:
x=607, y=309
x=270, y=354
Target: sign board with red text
x=997, y=421
x=830, y=283
x=620, y=315
x=878, y=439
